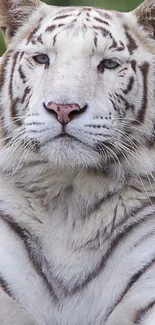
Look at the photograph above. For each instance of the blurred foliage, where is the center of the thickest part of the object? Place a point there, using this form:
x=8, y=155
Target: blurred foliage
x=2, y=48
x=121, y=5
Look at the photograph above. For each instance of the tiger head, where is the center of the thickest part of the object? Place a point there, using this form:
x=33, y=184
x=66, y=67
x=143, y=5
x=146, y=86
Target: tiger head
x=77, y=83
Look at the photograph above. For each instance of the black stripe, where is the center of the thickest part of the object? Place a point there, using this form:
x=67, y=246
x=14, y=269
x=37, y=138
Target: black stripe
x=22, y=74
x=106, y=33
x=114, y=105
x=34, y=31
x=101, y=21
x=95, y=40
x=129, y=86
x=36, y=260
x=25, y=236
x=144, y=70
x=13, y=111
x=15, y=57
x=141, y=313
x=132, y=46
x=39, y=39
x=5, y=286
x=62, y=17
x=14, y=101
x=103, y=13
x=134, y=65
x=3, y=69
x=121, y=47
x=27, y=90
x=50, y=28
x=121, y=235
x=125, y=103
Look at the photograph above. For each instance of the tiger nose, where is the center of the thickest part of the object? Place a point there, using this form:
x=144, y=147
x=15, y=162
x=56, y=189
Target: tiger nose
x=63, y=112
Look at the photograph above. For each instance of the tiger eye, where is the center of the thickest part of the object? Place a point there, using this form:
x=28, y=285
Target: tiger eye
x=41, y=58
x=108, y=64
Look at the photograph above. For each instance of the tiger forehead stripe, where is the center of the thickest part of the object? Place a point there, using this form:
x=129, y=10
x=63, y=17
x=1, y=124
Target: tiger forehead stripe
x=104, y=14
x=53, y=27
x=62, y=17
x=34, y=31
x=105, y=32
x=101, y=21
x=121, y=47
x=50, y=28
x=39, y=39
x=74, y=14
x=132, y=46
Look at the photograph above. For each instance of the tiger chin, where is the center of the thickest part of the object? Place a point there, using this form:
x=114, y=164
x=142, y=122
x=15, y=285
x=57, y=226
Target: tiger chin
x=77, y=165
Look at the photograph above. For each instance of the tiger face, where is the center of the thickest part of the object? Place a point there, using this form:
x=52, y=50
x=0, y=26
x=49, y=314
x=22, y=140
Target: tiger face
x=77, y=84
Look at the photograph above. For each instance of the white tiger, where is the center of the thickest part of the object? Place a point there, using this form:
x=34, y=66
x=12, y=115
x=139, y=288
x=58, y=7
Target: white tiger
x=77, y=165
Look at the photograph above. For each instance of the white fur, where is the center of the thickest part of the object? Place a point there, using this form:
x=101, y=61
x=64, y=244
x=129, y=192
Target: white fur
x=51, y=191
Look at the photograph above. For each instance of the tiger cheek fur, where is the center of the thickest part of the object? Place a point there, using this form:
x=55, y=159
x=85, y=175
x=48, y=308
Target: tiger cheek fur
x=77, y=175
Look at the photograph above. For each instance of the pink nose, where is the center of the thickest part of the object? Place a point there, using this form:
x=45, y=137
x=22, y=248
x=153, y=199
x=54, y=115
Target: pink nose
x=64, y=112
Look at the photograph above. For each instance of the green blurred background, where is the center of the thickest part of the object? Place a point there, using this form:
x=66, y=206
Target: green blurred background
x=121, y=5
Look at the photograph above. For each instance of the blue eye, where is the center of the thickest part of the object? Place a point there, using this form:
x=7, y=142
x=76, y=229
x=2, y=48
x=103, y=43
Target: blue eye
x=108, y=64
x=41, y=58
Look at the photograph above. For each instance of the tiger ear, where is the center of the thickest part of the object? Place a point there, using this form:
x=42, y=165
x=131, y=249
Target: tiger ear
x=146, y=16
x=13, y=14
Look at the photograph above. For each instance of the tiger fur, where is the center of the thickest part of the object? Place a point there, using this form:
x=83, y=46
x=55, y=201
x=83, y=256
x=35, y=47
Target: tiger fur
x=77, y=165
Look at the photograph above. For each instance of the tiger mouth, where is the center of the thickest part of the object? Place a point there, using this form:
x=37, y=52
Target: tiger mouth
x=66, y=136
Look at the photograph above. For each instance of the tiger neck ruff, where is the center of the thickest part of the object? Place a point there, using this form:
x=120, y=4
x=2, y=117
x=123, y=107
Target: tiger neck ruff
x=77, y=165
